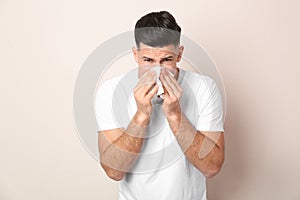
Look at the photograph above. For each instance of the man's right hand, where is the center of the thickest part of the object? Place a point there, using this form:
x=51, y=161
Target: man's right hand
x=144, y=92
x=119, y=148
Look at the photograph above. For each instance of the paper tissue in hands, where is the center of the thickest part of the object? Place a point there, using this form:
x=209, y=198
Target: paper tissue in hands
x=158, y=98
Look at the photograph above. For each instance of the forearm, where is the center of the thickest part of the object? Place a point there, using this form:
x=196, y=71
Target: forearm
x=203, y=151
x=118, y=156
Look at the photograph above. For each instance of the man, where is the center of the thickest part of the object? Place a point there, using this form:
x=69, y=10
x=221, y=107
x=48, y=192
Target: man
x=188, y=113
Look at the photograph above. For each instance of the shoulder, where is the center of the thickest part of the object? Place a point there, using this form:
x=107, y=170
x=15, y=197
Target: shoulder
x=106, y=88
x=109, y=85
x=198, y=81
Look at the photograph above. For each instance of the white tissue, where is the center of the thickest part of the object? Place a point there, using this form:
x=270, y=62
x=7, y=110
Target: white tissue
x=158, y=82
x=157, y=69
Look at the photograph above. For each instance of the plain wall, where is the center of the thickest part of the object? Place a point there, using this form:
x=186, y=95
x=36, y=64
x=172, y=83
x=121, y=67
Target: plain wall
x=255, y=45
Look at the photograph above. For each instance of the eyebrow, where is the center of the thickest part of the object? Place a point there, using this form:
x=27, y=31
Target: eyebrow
x=167, y=57
x=147, y=57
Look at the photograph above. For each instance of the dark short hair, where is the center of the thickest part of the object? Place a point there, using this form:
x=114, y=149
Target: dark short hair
x=157, y=29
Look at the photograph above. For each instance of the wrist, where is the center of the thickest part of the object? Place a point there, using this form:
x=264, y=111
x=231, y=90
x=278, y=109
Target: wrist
x=141, y=119
x=175, y=117
x=175, y=121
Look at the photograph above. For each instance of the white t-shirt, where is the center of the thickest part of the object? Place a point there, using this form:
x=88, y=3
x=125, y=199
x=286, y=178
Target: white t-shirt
x=161, y=171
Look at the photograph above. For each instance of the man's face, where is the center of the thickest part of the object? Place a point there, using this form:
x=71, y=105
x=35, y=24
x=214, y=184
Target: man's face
x=148, y=57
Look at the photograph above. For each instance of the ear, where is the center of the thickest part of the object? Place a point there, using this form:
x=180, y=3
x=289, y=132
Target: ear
x=180, y=51
x=135, y=54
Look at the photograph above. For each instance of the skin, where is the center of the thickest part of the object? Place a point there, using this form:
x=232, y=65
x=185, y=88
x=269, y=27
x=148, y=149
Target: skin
x=205, y=150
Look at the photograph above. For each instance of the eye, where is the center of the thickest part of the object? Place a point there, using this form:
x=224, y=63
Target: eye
x=167, y=59
x=147, y=60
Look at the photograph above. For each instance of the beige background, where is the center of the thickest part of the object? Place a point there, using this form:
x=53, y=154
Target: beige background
x=255, y=44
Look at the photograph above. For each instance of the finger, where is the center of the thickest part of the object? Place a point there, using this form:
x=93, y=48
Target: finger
x=145, y=83
x=172, y=72
x=146, y=77
x=172, y=83
x=145, y=89
x=168, y=90
x=152, y=92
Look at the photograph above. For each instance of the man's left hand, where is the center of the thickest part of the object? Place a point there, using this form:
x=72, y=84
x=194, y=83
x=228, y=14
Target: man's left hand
x=172, y=94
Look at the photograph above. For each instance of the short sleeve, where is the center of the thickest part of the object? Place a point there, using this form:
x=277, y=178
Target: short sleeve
x=103, y=107
x=210, y=116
